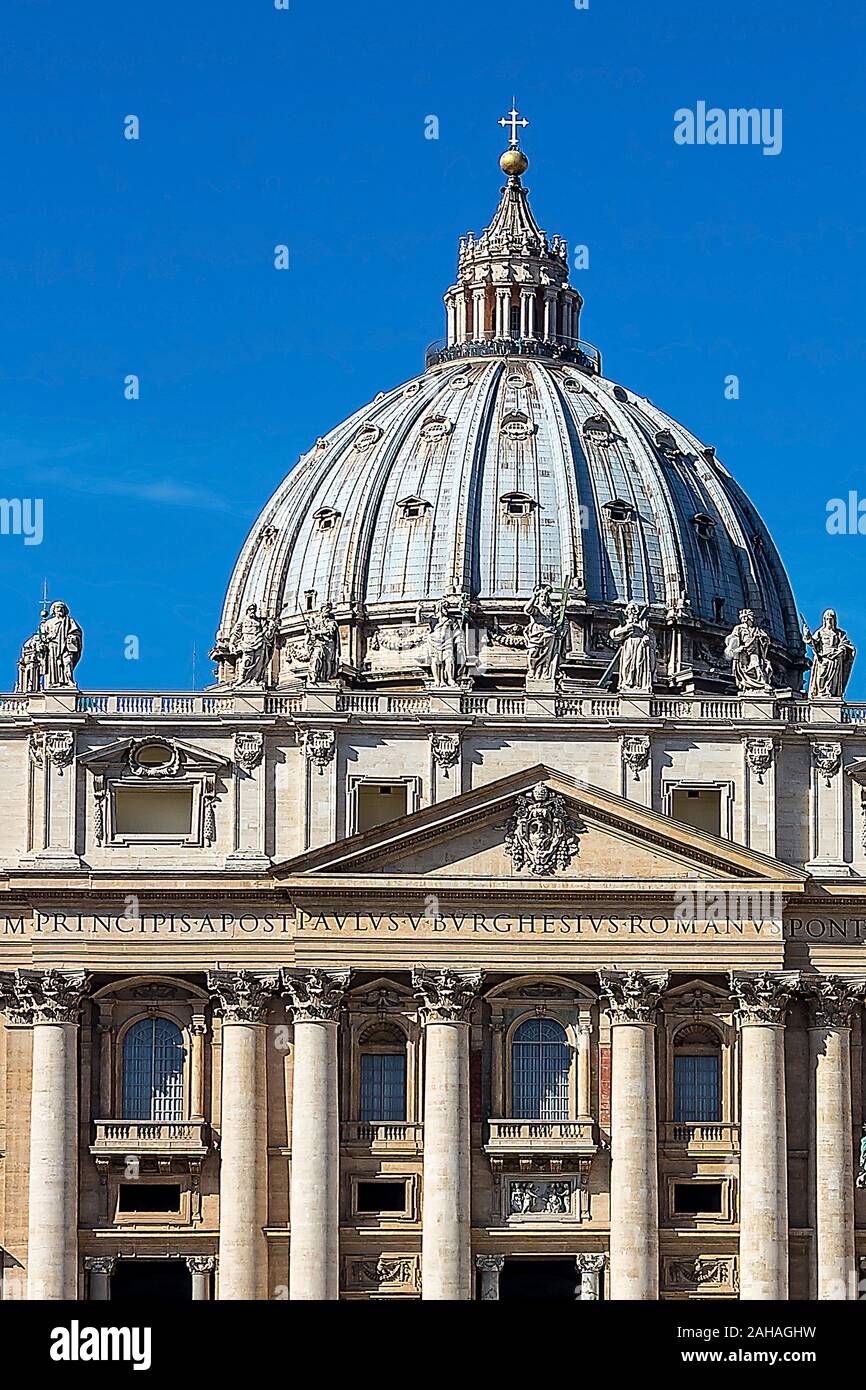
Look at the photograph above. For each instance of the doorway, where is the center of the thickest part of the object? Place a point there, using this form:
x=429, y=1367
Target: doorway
x=162, y=1281
x=539, y=1280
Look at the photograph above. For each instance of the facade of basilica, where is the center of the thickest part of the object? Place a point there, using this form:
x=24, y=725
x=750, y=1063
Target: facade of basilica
x=494, y=926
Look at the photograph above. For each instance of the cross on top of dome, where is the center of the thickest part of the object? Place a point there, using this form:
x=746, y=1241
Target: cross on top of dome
x=512, y=120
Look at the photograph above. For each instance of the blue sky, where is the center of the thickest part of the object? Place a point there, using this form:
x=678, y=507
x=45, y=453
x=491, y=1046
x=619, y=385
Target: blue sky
x=306, y=127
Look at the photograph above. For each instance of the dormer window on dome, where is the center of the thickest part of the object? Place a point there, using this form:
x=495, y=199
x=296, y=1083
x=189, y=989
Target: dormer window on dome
x=518, y=504
x=704, y=525
x=412, y=508
x=619, y=512
x=326, y=518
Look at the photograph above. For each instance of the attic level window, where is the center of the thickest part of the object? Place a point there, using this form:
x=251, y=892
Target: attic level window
x=411, y=508
x=326, y=518
x=380, y=802
x=310, y=600
x=619, y=512
x=518, y=504
x=704, y=525
x=718, y=610
x=700, y=807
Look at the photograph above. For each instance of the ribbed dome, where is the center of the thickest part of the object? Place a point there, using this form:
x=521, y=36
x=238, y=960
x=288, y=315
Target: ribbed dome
x=511, y=462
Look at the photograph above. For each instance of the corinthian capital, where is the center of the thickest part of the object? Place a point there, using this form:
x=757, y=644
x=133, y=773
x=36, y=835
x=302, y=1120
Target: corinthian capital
x=44, y=996
x=241, y=996
x=630, y=996
x=833, y=999
x=445, y=996
x=763, y=997
x=315, y=996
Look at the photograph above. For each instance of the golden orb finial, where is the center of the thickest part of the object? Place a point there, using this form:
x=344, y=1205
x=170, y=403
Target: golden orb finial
x=513, y=162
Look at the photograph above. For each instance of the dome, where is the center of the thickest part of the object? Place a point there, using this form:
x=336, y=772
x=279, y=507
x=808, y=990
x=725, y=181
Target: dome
x=513, y=462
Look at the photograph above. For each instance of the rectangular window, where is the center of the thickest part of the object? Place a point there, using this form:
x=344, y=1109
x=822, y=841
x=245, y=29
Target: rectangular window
x=383, y=1086
x=144, y=1196
x=699, y=807
x=380, y=802
x=698, y=1198
x=381, y=1196
x=153, y=810
x=696, y=1088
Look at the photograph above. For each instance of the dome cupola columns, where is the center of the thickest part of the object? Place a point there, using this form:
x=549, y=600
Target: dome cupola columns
x=512, y=296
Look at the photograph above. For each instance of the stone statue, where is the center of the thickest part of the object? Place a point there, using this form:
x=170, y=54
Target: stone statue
x=637, y=654
x=544, y=635
x=445, y=648
x=747, y=647
x=861, y=1175
x=833, y=656
x=252, y=641
x=48, y=659
x=323, y=635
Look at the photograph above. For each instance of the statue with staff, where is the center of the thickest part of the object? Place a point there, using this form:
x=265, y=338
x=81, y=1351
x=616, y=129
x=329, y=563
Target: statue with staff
x=832, y=658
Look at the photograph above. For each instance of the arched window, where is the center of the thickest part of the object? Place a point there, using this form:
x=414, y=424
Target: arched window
x=153, y=1071
x=383, y=1074
x=540, y=1061
x=697, y=1075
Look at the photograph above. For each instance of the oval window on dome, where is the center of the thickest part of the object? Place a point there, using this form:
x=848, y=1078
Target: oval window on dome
x=620, y=393
x=516, y=425
x=598, y=428
x=436, y=427
x=368, y=435
x=516, y=380
x=460, y=382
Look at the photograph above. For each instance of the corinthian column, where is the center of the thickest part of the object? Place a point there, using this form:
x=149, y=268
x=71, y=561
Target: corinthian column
x=315, y=998
x=242, y=999
x=445, y=999
x=834, y=1000
x=763, y=999
x=51, y=1002
x=631, y=999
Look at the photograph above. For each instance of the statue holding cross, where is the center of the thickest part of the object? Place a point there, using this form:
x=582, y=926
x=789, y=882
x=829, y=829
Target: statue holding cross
x=546, y=631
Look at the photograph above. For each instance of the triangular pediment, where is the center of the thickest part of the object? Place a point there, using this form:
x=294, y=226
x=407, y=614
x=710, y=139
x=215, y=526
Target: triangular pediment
x=603, y=838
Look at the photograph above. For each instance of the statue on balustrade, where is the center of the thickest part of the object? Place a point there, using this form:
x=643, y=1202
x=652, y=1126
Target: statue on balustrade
x=48, y=659
x=544, y=635
x=832, y=658
x=747, y=648
x=638, y=655
x=323, y=640
x=252, y=642
x=445, y=649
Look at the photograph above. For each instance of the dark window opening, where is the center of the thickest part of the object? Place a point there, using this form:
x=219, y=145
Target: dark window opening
x=693, y=1198
x=149, y=1196
x=381, y=1196
x=718, y=610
